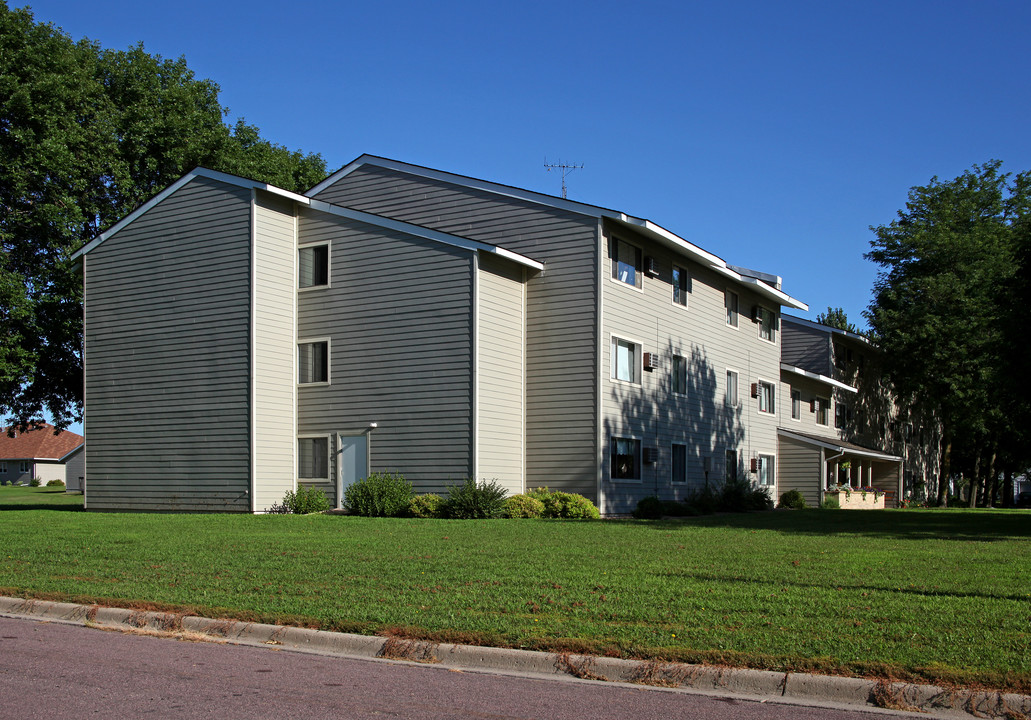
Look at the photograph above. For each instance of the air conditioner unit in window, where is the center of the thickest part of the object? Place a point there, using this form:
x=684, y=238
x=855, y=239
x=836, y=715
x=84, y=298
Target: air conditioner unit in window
x=755, y=390
x=651, y=268
x=755, y=465
x=651, y=361
x=651, y=455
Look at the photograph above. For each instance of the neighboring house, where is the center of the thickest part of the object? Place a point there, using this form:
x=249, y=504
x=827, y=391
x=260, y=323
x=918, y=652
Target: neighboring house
x=38, y=453
x=401, y=318
x=841, y=425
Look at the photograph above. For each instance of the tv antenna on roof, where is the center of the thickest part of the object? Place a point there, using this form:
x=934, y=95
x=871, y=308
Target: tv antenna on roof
x=565, y=168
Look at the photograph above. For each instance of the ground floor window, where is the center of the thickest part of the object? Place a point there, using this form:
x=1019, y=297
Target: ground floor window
x=23, y=466
x=313, y=458
x=625, y=459
x=766, y=470
x=679, y=474
x=730, y=468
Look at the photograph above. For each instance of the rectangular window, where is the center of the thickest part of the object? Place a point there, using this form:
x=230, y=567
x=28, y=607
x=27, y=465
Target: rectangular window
x=840, y=415
x=313, y=458
x=625, y=360
x=730, y=398
x=766, y=471
x=730, y=468
x=730, y=302
x=3, y=468
x=679, y=454
x=679, y=286
x=313, y=266
x=822, y=411
x=767, y=397
x=796, y=404
x=625, y=459
x=767, y=325
x=679, y=372
x=23, y=466
x=313, y=362
x=626, y=263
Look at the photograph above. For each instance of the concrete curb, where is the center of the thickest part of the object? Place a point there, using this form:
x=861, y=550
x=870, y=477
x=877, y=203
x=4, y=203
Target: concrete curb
x=760, y=685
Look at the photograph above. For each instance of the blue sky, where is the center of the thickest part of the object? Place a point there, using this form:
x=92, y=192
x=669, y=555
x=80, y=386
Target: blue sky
x=772, y=134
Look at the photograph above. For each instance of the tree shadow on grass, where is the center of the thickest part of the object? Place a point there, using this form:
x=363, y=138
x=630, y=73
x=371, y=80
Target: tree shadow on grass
x=965, y=525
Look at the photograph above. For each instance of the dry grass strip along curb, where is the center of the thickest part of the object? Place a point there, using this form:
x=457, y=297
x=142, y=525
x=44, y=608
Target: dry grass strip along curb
x=754, y=684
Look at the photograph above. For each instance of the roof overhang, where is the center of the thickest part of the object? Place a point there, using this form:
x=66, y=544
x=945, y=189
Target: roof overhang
x=817, y=377
x=827, y=329
x=838, y=447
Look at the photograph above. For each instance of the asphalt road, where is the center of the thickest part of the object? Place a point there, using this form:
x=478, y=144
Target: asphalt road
x=52, y=670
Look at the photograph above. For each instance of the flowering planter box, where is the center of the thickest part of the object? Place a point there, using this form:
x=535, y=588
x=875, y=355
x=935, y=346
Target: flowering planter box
x=857, y=499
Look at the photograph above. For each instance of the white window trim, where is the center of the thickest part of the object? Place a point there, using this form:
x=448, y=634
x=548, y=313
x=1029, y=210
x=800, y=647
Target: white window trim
x=687, y=288
x=329, y=266
x=791, y=395
x=828, y=401
x=329, y=457
x=726, y=388
x=672, y=376
x=673, y=480
x=773, y=400
x=737, y=312
x=759, y=325
x=329, y=361
x=614, y=241
x=640, y=459
x=638, y=360
x=773, y=457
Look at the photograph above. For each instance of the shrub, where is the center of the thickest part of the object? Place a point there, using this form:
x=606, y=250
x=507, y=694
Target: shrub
x=703, y=502
x=306, y=500
x=649, y=508
x=473, y=500
x=55, y=483
x=792, y=499
x=523, y=506
x=426, y=506
x=278, y=508
x=570, y=506
x=35, y=482
x=379, y=495
x=830, y=504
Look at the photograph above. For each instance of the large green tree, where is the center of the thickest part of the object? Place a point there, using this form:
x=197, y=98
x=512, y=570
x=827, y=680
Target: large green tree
x=86, y=135
x=942, y=308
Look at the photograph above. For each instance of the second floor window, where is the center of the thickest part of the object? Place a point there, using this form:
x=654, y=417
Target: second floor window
x=626, y=263
x=822, y=411
x=313, y=266
x=679, y=379
x=767, y=324
x=731, y=396
x=313, y=362
x=625, y=360
x=767, y=399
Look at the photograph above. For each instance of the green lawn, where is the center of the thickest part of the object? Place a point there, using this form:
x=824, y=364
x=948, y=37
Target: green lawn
x=940, y=595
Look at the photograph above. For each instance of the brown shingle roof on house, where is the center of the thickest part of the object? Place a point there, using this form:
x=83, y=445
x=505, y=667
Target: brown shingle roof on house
x=38, y=444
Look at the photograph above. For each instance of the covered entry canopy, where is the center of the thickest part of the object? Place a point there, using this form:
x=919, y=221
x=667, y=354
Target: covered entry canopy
x=813, y=464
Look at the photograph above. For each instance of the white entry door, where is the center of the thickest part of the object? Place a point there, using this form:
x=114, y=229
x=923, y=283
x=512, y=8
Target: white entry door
x=353, y=462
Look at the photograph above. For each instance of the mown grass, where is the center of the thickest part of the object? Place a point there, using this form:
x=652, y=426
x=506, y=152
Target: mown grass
x=930, y=595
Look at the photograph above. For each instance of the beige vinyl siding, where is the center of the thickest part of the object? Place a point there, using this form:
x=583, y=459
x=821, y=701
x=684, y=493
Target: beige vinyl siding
x=167, y=303
x=800, y=469
x=399, y=318
x=274, y=350
x=561, y=304
x=699, y=419
x=500, y=372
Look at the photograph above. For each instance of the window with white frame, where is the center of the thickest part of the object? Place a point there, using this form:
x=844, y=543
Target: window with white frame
x=313, y=266
x=680, y=284
x=626, y=262
x=767, y=397
x=822, y=411
x=767, y=471
x=767, y=325
x=313, y=362
x=626, y=360
x=625, y=459
x=679, y=463
x=730, y=397
x=313, y=458
x=678, y=372
x=730, y=302
x=730, y=466
x=796, y=404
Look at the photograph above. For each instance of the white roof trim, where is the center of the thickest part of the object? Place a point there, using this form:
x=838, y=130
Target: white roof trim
x=642, y=225
x=423, y=232
x=195, y=173
x=831, y=445
x=816, y=376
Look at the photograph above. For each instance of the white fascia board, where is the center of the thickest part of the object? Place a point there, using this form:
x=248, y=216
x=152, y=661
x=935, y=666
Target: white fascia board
x=829, y=444
x=196, y=172
x=819, y=378
x=463, y=180
x=827, y=329
x=423, y=232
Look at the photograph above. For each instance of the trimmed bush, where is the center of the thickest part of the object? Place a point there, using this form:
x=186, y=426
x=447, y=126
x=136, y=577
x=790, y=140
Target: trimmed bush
x=473, y=500
x=830, y=504
x=792, y=499
x=523, y=506
x=305, y=500
x=55, y=483
x=426, y=506
x=379, y=495
x=569, y=506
